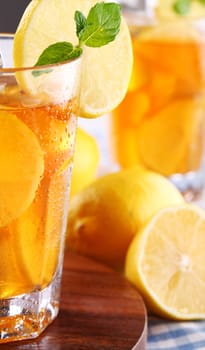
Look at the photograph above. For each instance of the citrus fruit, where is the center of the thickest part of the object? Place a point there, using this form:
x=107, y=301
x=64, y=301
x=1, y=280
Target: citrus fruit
x=13, y=279
x=166, y=262
x=86, y=161
x=41, y=227
x=105, y=71
x=176, y=134
x=21, y=167
x=104, y=217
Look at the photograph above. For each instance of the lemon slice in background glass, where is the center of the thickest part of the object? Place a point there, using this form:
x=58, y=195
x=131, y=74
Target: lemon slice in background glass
x=106, y=71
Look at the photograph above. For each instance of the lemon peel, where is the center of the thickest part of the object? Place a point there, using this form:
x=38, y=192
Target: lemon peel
x=86, y=161
x=105, y=216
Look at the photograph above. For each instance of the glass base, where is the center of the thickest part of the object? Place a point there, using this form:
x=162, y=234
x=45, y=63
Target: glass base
x=26, y=316
x=190, y=185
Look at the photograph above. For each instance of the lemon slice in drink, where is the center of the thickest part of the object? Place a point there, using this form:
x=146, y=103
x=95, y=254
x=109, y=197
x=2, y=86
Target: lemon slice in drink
x=21, y=167
x=105, y=71
x=166, y=262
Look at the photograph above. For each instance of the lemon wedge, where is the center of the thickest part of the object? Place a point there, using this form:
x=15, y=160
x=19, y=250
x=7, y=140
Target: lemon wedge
x=106, y=71
x=166, y=262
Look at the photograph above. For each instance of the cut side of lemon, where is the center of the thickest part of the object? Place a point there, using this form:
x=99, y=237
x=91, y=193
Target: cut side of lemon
x=104, y=217
x=106, y=71
x=166, y=262
x=21, y=167
x=106, y=75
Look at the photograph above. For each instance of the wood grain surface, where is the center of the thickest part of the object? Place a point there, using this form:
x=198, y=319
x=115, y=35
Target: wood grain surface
x=100, y=310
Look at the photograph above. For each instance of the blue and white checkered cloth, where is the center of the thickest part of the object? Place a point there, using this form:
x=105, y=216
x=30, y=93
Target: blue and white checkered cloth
x=171, y=335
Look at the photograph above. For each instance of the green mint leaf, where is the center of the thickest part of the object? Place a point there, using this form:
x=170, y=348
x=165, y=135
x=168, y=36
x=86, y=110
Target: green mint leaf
x=58, y=52
x=37, y=73
x=55, y=53
x=182, y=7
x=100, y=28
x=102, y=25
x=80, y=21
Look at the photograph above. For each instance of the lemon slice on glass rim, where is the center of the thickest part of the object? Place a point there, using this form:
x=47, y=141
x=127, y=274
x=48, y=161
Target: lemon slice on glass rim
x=106, y=70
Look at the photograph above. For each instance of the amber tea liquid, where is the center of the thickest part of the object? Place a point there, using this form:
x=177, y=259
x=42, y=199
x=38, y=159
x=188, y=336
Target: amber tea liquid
x=160, y=122
x=37, y=137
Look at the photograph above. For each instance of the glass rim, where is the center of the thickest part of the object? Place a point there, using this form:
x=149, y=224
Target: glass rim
x=179, y=18
x=13, y=70
x=140, y=20
x=154, y=17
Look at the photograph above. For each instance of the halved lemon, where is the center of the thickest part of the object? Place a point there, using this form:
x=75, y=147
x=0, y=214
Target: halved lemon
x=104, y=217
x=106, y=71
x=166, y=262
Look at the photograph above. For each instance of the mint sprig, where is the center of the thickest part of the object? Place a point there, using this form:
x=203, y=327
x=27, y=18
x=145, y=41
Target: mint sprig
x=102, y=25
x=182, y=7
x=99, y=28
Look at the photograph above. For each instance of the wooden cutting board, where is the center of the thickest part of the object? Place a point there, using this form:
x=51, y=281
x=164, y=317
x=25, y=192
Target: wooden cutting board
x=100, y=310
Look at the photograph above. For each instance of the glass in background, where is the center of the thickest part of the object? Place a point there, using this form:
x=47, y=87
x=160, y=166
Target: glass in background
x=160, y=123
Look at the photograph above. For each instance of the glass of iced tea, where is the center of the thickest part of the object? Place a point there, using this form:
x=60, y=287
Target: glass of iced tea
x=160, y=123
x=37, y=136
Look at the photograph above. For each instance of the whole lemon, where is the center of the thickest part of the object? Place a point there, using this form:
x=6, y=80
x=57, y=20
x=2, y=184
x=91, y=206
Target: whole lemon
x=86, y=161
x=105, y=216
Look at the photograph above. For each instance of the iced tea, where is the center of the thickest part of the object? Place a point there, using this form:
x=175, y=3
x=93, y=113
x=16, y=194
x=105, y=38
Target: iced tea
x=37, y=136
x=160, y=122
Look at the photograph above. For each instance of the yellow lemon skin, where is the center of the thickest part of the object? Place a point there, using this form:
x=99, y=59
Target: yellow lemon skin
x=105, y=216
x=165, y=261
x=86, y=161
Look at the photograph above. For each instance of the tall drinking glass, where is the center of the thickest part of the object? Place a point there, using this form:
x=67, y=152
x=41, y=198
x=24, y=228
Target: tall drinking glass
x=37, y=137
x=160, y=123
